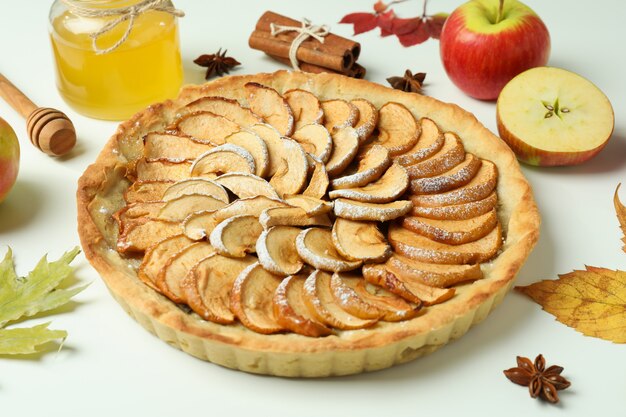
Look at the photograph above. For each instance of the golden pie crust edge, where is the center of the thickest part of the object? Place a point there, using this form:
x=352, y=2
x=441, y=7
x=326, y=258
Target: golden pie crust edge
x=293, y=355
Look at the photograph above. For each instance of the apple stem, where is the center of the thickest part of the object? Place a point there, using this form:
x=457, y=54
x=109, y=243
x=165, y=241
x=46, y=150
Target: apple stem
x=500, y=11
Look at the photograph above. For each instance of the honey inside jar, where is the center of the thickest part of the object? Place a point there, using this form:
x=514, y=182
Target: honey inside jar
x=145, y=68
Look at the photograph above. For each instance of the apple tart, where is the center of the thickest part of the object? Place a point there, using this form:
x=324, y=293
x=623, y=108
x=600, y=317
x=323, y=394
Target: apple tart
x=306, y=225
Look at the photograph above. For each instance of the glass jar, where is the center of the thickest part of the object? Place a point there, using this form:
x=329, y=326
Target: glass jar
x=145, y=68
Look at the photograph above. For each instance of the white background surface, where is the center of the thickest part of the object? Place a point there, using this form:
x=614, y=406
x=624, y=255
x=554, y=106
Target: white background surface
x=109, y=364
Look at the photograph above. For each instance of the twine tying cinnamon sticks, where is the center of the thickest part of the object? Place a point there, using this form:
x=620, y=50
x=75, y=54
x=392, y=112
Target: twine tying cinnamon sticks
x=290, y=41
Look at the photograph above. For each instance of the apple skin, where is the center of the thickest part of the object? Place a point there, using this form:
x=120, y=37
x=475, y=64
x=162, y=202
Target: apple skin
x=9, y=158
x=480, y=56
x=531, y=155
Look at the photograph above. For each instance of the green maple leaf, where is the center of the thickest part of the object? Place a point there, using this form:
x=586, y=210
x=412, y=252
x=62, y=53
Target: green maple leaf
x=39, y=292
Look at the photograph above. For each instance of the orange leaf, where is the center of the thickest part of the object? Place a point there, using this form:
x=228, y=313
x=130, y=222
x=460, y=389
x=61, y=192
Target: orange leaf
x=621, y=214
x=592, y=301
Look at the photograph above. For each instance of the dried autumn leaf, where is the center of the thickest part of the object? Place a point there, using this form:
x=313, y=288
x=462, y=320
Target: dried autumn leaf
x=22, y=297
x=620, y=209
x=592, y=301
x=362, y=21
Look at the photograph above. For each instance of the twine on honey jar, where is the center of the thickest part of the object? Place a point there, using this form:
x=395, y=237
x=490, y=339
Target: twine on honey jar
x=122, y=14
x=306, y=31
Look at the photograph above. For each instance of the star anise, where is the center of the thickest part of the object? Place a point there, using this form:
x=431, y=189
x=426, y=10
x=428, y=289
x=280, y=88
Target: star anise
x=409, y=82
x=541, y=382
x=216, y=64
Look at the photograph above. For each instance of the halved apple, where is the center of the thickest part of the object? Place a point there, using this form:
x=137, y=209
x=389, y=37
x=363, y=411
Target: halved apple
x=360, y=241
x=292, y=312
x=223, y=159
x=451, y=154
x=339, y=114
x=345, y=148
x=457, y=211
x=454, y=232
x=318, y=296
x=271, y=106
x=230, y=109
x=435, y=275
x=161, y=170
x=456, y=177
x=206, y=287
x=236, y=236
x=314, y=139
x=257, y=147
x=178, y=209
x=247, y=185
x=311, y=205
x=389, y=187
x=274, y=142
x=146, y=191
x=195, y=186
x=204, y=125
x=276, y=249
x=358, y=210
x=291, y=216
x=318, y=183
x=398, y=131
x=550, y=116
x=430, y=141
x=315, y=246
x=368, y=118
x=157, y=255
x=372, y=163
x=292, y=174
x=251, y=299
x=305, y=106
x=159, y=145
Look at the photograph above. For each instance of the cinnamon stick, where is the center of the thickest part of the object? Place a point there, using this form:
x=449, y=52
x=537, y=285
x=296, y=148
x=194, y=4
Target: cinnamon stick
x=335, y=53
x=356, y=71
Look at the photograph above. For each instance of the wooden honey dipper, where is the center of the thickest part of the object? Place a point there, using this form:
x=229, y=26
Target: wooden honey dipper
x=50, y=130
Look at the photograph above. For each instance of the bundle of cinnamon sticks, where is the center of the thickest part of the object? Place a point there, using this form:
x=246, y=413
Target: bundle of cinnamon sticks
x=334, y=55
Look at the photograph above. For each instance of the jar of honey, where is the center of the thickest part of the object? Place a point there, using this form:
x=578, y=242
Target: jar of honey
x=115, y=57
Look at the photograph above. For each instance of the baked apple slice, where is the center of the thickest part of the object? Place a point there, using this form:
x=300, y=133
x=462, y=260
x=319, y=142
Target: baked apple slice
x=483, y=183
x=161, y=145
x=430, y=141
x=271, y=106
x=358, y=210
x=449, y=180
x=368, y=118
x=319, y=298
x=398, y=131
x=345, y=148
x=188, y=186
x=274, y=142
x=435, y=275
x=144, y=233
x=411, y=290
x=305, y=106
x=146, y=191
x=251, y=299
x=178, y=209
x=276, y=249
x=318, y=183
x=223, y=159
x=368, y=301
x=389, y=187
x=230, y=109
x=315, y=140
x=315, y=246
x=161, y=170
x=311, y=205
x=370, y=165
x=176, y=267
x=205, y=126
x=360, y=241
x=291, y=216
x=291, y=311
x=245, y=185
x=420, y=248
x=458, y=211
x=236, y=236
x=206, y=287
x=256, y=146
x=339, y=114
x=292, y=173
x=450, y=155
x=157, y=255
x=453, y=232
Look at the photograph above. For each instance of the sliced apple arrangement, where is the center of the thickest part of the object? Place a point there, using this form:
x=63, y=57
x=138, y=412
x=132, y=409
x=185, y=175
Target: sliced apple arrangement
x=307, y=216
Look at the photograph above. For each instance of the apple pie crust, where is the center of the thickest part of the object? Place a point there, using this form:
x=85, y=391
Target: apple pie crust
x=103, y=187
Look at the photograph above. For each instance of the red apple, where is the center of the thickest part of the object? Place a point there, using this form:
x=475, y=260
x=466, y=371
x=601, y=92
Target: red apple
x=485, y=43
x=9, y=158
